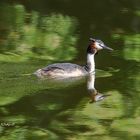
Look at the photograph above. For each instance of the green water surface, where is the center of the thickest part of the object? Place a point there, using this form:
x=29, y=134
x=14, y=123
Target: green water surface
x=34, y=34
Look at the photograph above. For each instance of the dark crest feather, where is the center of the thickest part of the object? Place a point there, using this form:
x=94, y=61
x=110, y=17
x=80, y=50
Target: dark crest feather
x=90, y=49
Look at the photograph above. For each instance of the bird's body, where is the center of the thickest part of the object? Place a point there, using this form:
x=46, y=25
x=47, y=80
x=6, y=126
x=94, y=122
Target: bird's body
x=62, y=70
x=66, y=70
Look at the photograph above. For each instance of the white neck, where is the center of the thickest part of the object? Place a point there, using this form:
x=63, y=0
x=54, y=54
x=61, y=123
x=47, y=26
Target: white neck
x=90, y=63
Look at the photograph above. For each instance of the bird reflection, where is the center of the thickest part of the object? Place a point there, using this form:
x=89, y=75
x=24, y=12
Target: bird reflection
x=57, y=83
x=94, y=94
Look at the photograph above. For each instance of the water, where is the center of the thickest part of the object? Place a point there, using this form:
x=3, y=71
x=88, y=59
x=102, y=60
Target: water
x=31, y=108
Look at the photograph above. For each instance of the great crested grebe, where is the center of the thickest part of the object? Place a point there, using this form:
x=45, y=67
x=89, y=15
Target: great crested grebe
x=66, y=70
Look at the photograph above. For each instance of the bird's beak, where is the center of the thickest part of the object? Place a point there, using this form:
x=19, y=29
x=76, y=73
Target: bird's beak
x=105, y=47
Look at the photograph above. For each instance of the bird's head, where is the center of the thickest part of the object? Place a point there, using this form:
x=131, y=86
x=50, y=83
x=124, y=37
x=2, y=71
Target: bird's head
x=96, y=45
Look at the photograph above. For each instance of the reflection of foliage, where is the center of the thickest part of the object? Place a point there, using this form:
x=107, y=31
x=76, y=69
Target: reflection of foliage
x=132, y=47
x=137, y=12
x=127, y=126
x=131, y=50
x=32, y=36
x=83, y=121
x=41, y=113
x=131, y=125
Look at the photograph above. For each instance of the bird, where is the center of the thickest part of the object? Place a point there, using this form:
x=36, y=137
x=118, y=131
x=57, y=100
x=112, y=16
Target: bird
x=67, y=70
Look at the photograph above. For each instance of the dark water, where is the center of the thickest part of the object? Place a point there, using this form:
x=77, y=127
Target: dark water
x=42, y=109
